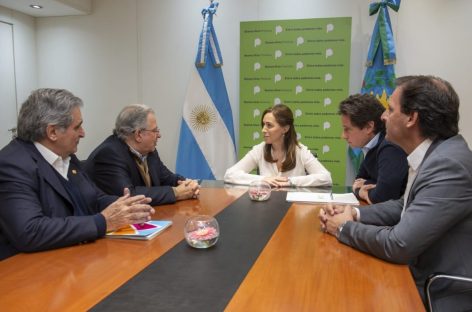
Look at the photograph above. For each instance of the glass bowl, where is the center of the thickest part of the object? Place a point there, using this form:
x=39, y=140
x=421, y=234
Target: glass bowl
x=201, y=231
x=259, y=190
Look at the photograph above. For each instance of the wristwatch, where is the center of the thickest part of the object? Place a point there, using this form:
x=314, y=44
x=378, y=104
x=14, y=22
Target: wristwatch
x=340, y=229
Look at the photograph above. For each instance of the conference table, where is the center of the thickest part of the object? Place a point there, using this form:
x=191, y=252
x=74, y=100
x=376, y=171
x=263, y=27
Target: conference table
x=271, y=256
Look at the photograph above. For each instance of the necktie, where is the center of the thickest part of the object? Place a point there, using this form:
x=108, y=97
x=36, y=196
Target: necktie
x=144, y=171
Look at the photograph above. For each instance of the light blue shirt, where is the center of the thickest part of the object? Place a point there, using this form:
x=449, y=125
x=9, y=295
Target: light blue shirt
x=372, y=143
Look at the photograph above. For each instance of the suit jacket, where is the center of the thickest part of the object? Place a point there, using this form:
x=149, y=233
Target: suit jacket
x=386, y=166
x=435, y=232
x=112, y=166
x=36, y=211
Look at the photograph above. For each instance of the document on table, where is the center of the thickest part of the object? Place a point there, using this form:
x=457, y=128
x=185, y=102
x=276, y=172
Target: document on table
x=305, y=197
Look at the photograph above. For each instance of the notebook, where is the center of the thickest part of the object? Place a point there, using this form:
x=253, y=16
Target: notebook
x=305, y=197
x=143, y=231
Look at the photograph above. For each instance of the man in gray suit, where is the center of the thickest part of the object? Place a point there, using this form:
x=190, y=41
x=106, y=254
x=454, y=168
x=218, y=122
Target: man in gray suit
x=430, y=227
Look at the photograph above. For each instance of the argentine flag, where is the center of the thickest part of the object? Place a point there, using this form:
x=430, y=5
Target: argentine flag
x=206, y=145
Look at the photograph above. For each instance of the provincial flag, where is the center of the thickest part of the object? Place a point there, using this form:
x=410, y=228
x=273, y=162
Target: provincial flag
x=207, y=144
x=379, y=78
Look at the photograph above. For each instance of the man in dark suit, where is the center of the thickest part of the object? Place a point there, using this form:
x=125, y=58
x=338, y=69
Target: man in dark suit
x=128, y=158
x=383, y=172
x=47, y=201
x=430, y=227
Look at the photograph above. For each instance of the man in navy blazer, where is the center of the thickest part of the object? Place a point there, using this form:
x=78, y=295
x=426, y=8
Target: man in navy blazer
x=430, y=227
x=47, y=201
x=383, y=172
x=129, y=159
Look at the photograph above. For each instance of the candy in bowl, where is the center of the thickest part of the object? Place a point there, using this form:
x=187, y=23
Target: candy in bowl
x=259, y=190
x=201, y=231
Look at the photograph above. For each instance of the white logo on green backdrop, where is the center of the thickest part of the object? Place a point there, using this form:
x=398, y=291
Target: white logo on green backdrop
x=305, y=65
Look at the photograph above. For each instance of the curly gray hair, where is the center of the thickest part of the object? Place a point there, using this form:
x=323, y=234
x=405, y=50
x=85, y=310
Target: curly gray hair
x=46, y=107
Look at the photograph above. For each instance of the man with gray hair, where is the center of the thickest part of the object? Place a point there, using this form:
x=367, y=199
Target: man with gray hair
x=47, y=200
x=129, y=159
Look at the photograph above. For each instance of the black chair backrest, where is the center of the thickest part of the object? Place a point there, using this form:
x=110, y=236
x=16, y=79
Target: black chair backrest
x=448, y=293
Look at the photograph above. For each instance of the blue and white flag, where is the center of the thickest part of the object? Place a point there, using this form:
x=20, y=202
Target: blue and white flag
x=379, y=78
x=206, y=145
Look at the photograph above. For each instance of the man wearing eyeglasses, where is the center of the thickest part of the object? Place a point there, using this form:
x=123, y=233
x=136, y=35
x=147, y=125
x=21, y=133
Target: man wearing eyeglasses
x=47, y=200
x=128, y=158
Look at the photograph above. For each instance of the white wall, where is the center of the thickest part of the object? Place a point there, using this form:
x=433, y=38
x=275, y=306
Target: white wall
x=95, y=57
x=434, y=37
x=24, y=51
x=168, y=40
x=131, y=51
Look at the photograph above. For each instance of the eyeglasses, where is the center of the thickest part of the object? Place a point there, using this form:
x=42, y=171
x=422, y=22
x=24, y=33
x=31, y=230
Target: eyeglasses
x=157, y=130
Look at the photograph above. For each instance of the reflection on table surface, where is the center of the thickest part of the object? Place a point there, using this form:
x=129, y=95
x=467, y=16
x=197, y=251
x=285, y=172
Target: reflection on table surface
x=76, y=278
x=303, y=269
x=300, y=268
x=222, y=184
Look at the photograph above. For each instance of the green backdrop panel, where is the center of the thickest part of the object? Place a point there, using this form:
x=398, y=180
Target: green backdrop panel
x=305, y=65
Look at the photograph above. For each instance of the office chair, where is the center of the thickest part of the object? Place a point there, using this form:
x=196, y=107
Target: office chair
x=458, y=297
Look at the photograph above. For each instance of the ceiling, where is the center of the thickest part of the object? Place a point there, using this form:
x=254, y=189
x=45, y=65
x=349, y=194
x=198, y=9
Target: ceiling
x=50, y=7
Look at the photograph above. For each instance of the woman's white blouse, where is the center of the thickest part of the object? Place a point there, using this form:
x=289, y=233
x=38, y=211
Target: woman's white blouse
x=308, y=170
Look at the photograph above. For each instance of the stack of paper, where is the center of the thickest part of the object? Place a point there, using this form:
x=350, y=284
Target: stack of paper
x=305, y=197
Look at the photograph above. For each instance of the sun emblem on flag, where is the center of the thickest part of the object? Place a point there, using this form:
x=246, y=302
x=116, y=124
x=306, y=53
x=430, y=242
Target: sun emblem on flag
x=202, y=117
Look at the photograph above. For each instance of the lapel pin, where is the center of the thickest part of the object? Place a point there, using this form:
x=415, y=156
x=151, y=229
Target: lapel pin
x=74, y=171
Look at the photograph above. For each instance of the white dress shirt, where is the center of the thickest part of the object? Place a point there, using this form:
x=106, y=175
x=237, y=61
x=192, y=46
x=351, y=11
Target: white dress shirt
x=57, y=162
x=414, y=161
